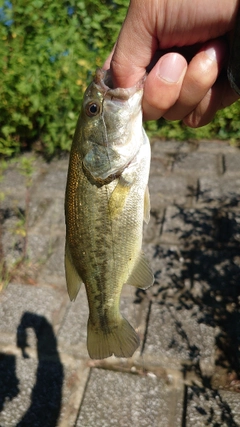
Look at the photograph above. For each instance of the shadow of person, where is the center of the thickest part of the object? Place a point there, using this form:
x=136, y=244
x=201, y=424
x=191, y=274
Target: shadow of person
x=8, y=379
x=46, y=394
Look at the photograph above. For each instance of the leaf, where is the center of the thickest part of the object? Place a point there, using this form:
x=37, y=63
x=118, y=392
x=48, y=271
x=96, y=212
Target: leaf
x=48, y=57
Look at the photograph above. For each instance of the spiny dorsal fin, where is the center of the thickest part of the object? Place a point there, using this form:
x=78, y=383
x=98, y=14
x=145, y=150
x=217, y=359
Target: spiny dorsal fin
x=142, y=275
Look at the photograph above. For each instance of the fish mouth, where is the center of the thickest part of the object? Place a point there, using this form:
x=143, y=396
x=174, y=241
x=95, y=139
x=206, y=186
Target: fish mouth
x=104, y=83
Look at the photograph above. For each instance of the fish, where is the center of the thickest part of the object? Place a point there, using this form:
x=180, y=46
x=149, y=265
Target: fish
x=106, y=202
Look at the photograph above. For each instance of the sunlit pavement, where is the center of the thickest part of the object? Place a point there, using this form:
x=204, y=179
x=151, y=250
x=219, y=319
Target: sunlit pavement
x=186, y=370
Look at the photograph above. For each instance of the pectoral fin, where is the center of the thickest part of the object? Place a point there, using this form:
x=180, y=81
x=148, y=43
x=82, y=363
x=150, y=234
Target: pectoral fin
x=118, y=198
x=146, y=205
x=72, y=277
x=142, y=275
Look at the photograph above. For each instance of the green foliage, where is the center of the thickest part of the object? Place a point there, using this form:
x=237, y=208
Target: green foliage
x=48, y=52
x=26, y=169
x=225, y=125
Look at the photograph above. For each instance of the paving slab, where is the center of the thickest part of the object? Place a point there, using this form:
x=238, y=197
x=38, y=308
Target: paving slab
x=186, y=371
x=188, y=226
x=200, y=163
x=207, y=407
x=221, y=192
x=216, y=146
x=145, y=401
x=52, y=181
x=38, y=400
x=177, y=337
x=232, y=164
x=40, y=391
x=172, y=272
x=33, y=305
x=153, y=229
x=161, y=148
x=51, y=268
x=166, y=190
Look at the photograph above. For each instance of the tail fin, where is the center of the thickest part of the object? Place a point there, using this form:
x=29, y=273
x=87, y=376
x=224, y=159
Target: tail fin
x=121, y=340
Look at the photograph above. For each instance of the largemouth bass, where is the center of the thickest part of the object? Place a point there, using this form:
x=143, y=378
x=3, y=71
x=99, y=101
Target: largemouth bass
x=106, y=202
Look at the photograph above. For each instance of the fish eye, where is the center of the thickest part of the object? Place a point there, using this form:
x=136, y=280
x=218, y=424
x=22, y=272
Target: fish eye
x=92, y=109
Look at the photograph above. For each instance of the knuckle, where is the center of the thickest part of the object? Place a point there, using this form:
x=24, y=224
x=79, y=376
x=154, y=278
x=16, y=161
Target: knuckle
x=192, y=120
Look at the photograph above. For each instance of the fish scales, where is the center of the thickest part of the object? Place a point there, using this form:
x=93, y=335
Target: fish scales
x=106, y=197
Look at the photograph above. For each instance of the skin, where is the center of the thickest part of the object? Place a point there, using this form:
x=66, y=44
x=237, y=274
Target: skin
x=177, y=88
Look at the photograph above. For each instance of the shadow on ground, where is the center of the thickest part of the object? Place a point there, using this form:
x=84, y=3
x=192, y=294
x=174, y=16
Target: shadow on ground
x=202, y=275
x=46, y=395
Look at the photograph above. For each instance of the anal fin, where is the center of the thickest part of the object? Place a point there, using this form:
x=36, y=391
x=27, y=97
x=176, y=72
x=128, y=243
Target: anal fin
x=142, y=275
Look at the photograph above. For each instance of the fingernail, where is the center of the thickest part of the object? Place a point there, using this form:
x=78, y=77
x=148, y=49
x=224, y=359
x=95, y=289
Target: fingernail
x=211, y=52
x=171, y=67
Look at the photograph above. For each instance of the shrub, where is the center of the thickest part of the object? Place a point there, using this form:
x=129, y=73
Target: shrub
x=225, y=125
x=48, y=52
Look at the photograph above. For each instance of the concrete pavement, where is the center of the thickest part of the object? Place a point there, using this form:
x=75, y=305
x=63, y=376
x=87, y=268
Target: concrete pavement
x=186, y=372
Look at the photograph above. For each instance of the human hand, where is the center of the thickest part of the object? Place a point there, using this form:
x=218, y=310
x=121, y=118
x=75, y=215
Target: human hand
x=171, y=30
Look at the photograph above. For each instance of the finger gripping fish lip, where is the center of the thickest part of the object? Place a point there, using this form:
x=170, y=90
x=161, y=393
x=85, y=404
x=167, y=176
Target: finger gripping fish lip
x=103, y=80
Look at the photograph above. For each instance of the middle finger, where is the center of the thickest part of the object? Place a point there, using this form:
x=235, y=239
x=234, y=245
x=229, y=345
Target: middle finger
x=202, y=73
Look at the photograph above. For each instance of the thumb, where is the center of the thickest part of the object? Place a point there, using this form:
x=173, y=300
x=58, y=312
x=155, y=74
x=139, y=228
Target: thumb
x=133, y=51
x=163, y=85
